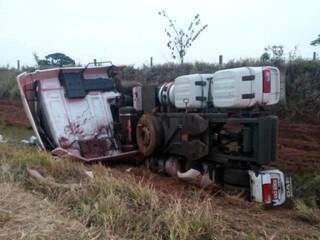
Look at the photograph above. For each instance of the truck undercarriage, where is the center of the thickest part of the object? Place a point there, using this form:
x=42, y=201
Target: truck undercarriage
x=80, y=113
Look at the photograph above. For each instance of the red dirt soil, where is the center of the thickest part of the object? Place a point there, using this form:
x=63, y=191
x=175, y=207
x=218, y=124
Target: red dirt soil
x=12, y=113
x=298, y=147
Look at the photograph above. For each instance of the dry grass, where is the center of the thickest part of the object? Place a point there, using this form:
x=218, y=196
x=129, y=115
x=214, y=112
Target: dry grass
x=121, y=206
x=25, y=216
x=307, y=214
x=195, y=221
x=118, y=205
x=132, y=210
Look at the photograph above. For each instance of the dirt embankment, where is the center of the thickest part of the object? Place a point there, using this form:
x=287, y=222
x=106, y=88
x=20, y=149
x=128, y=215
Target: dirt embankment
x=12, y=113
x=299, y=147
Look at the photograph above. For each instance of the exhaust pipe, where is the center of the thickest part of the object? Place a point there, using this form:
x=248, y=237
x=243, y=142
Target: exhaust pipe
x=190, y=175
x=194, y=176
x=172, y=167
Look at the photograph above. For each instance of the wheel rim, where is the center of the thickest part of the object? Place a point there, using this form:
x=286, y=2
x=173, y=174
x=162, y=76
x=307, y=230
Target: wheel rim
x=145, y=135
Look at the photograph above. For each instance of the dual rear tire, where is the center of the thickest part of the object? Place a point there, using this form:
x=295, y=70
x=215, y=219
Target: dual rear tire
x=149, y=134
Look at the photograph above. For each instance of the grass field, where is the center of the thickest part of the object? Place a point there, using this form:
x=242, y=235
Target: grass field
x=119, y=204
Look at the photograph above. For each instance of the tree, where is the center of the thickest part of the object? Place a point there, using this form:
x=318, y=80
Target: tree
x=274, y=52
x=181, y=40
x=41, y=62
x=54, y=60
x=265, y=57
x=59, y=59
x=316, y=42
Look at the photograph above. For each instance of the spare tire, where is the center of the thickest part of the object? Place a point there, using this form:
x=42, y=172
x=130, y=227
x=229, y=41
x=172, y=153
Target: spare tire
x=236, y=177
x=149, y=134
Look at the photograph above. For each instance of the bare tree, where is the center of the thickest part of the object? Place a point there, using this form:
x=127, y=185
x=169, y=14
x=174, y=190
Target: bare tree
x=181, y=40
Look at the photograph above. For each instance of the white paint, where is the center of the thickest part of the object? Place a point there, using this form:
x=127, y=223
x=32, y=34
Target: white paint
x=186, y=91
x=76, y=119
x=227, y=89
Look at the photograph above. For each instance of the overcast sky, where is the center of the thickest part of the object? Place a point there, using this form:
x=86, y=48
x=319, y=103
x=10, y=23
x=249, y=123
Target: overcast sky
x=130, y=32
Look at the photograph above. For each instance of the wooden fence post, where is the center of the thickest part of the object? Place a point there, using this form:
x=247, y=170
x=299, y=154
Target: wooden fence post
x=220, y=60
x=151, y=61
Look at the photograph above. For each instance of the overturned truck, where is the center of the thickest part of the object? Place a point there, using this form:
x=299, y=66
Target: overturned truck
x=213, y=127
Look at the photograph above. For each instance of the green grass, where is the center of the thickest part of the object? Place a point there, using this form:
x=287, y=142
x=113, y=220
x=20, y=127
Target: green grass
x=119, y=205
x=307, y=189
x=307, y=213
x=8, y=84
x=127, y=208
x=15, y=134
x=122, y=206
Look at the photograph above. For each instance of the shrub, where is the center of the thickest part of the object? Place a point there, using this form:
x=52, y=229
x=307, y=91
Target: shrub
x=8, y=84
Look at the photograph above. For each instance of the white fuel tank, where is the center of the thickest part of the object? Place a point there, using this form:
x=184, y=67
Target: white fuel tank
x=230, y=88
x=245, y=87
x=191, y=91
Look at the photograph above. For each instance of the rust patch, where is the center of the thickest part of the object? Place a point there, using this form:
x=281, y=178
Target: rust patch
x=74, y=128
x=64, y=142
x=94, y=147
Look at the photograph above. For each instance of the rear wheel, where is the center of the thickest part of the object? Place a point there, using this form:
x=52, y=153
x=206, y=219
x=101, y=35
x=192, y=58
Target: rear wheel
x=149, y=134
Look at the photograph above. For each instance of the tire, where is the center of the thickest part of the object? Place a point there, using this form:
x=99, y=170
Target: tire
x=149, y=134
x=236, y=177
